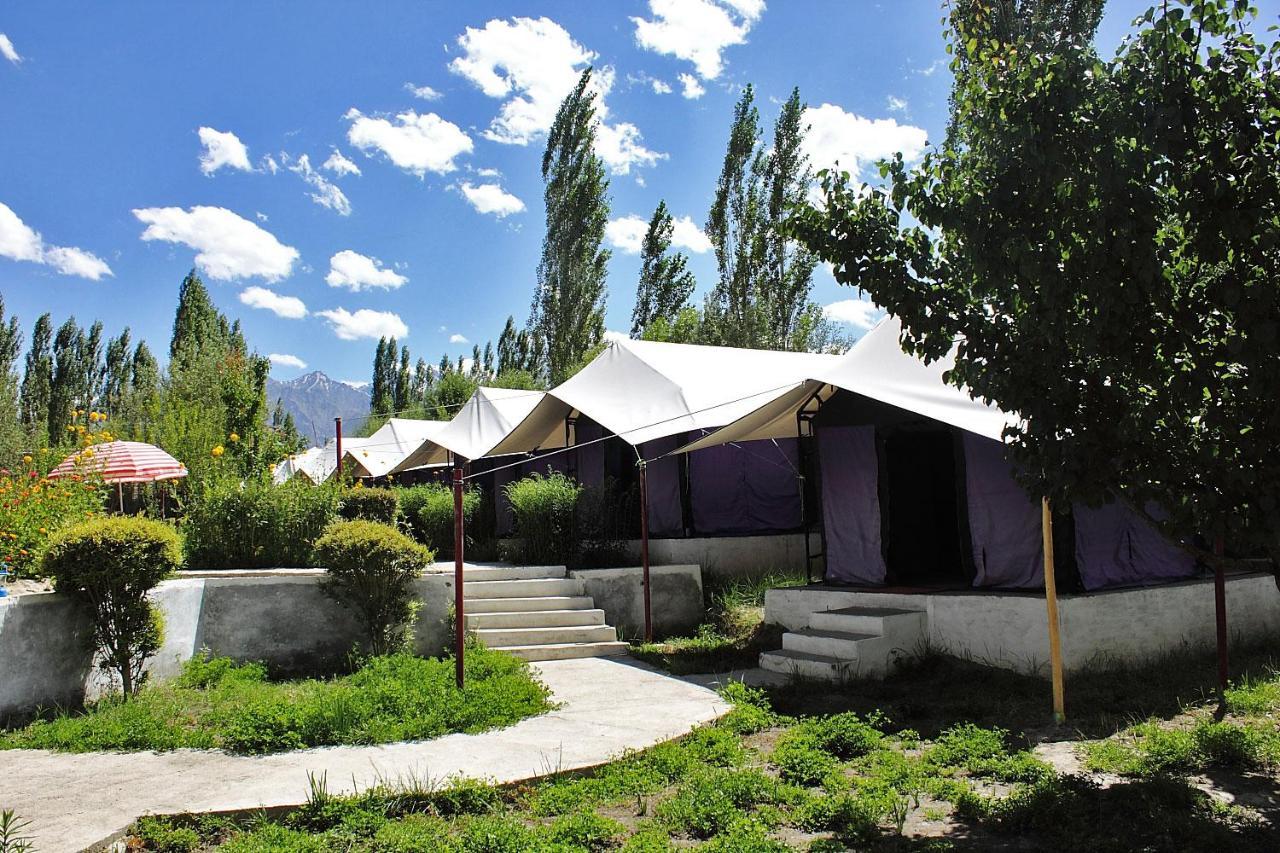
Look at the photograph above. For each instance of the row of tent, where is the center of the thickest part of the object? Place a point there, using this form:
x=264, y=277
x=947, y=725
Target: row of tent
x=903, y=474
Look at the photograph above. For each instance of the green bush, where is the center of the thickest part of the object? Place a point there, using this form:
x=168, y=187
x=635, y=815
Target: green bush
x=111, y=564
x=164, y=835
x=801, y=760
x=380, y=505
x=604, y=517
x=544, y=509
x=585, y=830
x=709, y=801
x=257, y=525
x=371, y=569
x=428, y=509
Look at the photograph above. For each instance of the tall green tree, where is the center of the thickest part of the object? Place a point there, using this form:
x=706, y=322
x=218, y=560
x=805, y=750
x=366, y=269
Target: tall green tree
x=68, y=379
x=13, y=438
x=569, y=302
x=197, y=325
x=117, y=373
x=1102, y=236
x=383, y=387
x=37, y=380
x=665, y=280
x=404, y=377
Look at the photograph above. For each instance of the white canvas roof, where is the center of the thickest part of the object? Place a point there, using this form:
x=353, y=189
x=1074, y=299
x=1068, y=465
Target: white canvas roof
x=643, y=390
x=385, y=450
x=877, y=368
x=484, y=420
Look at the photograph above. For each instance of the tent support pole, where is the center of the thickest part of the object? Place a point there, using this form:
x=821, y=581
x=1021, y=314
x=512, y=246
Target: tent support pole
x=337, y=433
x=120, y=495
x=1220, y=616
x=459, y=606
x=1051, y=603
x=644, y=550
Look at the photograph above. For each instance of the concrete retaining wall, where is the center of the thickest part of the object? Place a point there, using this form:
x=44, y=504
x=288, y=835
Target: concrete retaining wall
x=728, y=556
x=675, y=603
x=1105, y=629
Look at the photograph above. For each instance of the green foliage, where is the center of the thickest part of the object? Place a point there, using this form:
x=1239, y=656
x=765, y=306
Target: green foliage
x=111, y=564
x=33, y=508
x=851, y=816
x=709, y=800
x=665, y=280
x=752, y=711
x=1105, y=233
x=380, y=505
x=218, y=704
x=1154, y=749
x=163, y=835
x=585, y=830
x=251, y=525
x=544, y=509
x=12, y=837
x=800, y=760
x=985, y=752
x=428, y=509
x=371, y=569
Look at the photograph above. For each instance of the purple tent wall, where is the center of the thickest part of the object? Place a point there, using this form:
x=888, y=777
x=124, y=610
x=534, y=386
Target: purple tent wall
x=1004, y=523
x=502, y=506
x=589, y=460
x=851, y=504
x=1115, y=547
x=666, y=515
x=752, y=488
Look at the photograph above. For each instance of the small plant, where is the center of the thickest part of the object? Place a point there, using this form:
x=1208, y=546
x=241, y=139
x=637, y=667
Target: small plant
x=12, y=838
x=585, y=830
x=380, y=505
x=428, y=510
x=372, y=568
x=164, y=835
x=254, y=525
x=544, y=509
x=111, y=564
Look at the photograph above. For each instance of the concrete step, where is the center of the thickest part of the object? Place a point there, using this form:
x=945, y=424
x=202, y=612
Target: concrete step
x=535, y=618
x=804, y=665
x=834, y=644
x=511, y=573
x=532, y=588
x=527, y=604
x=504, y=637
x=561, y=651
x=883, y=621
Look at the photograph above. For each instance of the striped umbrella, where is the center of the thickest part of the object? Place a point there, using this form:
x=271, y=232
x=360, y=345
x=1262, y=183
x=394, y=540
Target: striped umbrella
x=122, y=462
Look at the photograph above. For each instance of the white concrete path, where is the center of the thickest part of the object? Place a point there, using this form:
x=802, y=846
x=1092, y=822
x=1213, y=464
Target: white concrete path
x=608, y=705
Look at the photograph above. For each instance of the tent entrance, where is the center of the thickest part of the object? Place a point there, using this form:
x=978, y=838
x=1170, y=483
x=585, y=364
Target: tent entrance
x=920, y=514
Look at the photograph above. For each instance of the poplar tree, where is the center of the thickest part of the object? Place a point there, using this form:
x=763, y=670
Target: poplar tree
x=404, y=377
x=11, y=433
x=198, y=327
x=118, y=371
x=67, y=378
x=37, y=380
x=665, y=281
x=569, y=301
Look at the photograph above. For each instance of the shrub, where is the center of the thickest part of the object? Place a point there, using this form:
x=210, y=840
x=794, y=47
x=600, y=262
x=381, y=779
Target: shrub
x=379, y=505
x=164, y=835
x=112, y=563
x=372, y=568
x=544, y=509
x=709, y=801
x=801, y=760
x=428, y=509
x=604, y=517
x=585, y=830
x=257, y=525
x=33, y=508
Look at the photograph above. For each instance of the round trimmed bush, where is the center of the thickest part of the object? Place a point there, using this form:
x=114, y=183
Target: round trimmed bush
x=371, y=568
x=379, y=505
x=111, y=563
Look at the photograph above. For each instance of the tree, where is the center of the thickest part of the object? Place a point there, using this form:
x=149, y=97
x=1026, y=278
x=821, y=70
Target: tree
x=1102, y=237
x=383, y=388
x=665, y=281
x=117, y=375
x=404, y=377
x=145, y=378
x=197, y=324
x=67, y=379
x=12, y=436
x=569, y=301
x=421, y=381
x=37, y=380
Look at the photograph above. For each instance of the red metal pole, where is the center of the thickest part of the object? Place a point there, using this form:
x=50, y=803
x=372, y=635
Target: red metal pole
x=459, y=609
x=1220, y=612
x=644, y=549
x=337, y=431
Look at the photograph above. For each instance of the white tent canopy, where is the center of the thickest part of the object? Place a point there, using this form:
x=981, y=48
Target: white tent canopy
x=386, y=449
x=876, y=368
x=644, y=390
x=487, y=418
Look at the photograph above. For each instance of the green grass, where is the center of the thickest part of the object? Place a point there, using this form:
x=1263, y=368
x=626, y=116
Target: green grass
x=216, y=704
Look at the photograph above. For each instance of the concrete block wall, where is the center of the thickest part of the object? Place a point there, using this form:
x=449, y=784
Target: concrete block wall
x=675, y=603
x=726, y=557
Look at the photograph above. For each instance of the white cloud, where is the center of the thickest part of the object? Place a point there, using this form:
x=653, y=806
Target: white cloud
x=692, y=89
x=856, y=142
x=896, y=105
x=269, y=164
x=8, y=51
x=426, y=93
x=626, y=234
x=488, y=173
x=325, y=192
x=611, y=335
x=416, y=143
x=860, y=313
x=21, y=242
x=456, y=338
x=491, y=198
x=284, y=359
x=289, y=307
x=533, y=64
x=365, y=323
x=227, y=246
x=660, y=87
x=340, y=165
x=932, y=68
x=359, y=272
x=697, y=30
x=357, y=384
x=222, y=148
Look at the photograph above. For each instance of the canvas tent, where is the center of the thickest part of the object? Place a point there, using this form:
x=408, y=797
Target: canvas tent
x=483, y=421
x=387, y=448
x=915, y=487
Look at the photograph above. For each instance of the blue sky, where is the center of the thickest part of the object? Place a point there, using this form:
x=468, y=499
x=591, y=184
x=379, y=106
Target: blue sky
x=140, y=138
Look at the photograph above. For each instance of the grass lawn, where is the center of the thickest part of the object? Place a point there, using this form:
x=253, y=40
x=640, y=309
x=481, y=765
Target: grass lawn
x=761, y=781
x=216, y=704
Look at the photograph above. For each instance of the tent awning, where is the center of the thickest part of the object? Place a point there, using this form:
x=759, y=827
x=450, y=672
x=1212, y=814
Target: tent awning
x=382, y=452
x=484, y=420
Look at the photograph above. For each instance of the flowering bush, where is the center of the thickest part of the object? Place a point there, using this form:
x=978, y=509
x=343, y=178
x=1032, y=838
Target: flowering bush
x=33, y=508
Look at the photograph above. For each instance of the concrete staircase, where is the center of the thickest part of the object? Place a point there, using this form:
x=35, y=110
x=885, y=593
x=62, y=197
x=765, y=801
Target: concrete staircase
x=536, y=613
x=851, y=642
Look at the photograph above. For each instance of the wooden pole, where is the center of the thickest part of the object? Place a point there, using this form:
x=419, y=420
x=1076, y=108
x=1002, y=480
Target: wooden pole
x=644, y=550
x=1051, y=603
x=1220, y=616
x=337, y=431
x=459, y=608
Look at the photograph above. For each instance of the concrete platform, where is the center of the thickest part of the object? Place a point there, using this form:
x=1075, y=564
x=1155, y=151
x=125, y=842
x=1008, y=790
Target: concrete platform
x=607, y=706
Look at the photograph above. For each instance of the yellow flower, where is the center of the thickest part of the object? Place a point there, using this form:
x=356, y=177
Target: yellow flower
x=217, y=451
x=70, y=428
x=26, y=460
x=234, y=438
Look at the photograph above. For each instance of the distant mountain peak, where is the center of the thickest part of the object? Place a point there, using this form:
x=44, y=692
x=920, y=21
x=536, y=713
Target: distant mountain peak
x=315, y=400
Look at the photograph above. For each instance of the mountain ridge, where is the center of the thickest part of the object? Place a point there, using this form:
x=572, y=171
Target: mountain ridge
x=314, y=399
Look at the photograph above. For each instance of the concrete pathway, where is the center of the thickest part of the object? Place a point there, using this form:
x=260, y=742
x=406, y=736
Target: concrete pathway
x=607, y=705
